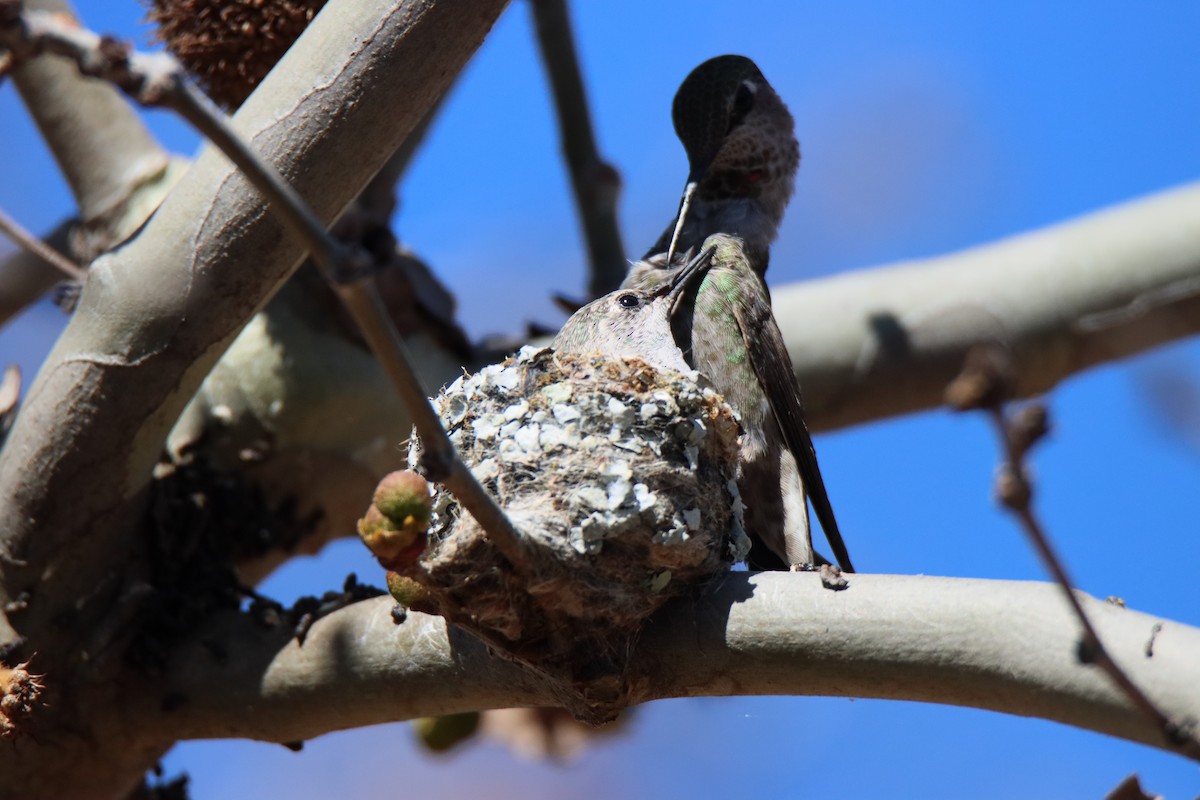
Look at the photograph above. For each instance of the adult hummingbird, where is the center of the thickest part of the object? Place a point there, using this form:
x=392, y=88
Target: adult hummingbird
x=742, y=158
x=728, y=332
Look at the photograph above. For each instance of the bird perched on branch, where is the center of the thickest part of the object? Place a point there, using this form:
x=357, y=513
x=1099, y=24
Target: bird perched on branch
x=728, y=328
x=742, y=160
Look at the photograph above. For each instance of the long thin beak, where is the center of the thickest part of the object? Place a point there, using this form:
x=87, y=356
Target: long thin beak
x=688, y=192
x=686, y=275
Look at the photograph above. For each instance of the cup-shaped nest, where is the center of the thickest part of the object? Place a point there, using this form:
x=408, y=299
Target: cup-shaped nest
x=620, y=480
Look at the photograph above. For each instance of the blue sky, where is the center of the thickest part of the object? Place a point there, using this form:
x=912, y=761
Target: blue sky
x=925, y=127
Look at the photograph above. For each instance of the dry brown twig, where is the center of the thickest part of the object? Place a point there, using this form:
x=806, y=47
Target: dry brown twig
x=987, y=382
x=156, y=79
x=18, y=234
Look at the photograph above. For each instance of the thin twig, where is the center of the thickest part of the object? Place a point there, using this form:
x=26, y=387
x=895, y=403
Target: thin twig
x=439, y=456
x=15, y=231
x=986, y=383
x=156, y=79
x=1018, y=499
x=595, y=182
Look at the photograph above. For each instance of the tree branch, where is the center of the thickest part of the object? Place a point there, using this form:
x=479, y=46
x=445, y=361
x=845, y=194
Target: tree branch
x=985, y=384
x=115, y=169
x=99, y=141
x=155, y=316
x=152, y=320
x=886, y=341
x=1002, y=645
x=595, y=183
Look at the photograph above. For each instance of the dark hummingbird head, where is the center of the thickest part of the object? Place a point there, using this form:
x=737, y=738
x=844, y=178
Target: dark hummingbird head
x=739, y=137
x=725, y=111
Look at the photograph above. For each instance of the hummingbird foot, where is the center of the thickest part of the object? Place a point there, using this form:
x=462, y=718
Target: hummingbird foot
x=832, y=578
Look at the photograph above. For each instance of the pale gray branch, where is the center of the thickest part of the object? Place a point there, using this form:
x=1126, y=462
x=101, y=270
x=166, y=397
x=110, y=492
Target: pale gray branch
x=1001, y=645
x=155, y=315
x=99, y=141
x=116, y=170
x=152, y=319
x=886, y=341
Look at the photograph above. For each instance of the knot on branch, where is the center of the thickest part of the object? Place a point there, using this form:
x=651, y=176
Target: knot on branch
x=987, y=380
x=1012, y=488
x=1027, y=427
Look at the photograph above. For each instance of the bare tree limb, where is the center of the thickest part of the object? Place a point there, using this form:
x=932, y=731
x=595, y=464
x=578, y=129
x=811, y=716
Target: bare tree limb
x=1092, y=649
x=595, y=183
x=1003, y=645
x=157, y=79
x=102, y=161
x=154, y=317
x=116, y=171
x=886, y=341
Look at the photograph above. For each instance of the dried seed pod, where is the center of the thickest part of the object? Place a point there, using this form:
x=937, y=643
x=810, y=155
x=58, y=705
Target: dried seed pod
x=230, y=47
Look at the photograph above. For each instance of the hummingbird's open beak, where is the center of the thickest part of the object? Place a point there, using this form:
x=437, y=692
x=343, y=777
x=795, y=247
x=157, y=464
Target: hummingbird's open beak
x=687, y=275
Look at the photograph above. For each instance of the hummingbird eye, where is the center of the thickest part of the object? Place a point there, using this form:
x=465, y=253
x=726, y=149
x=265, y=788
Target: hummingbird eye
x=629, y=300
x=743, y=101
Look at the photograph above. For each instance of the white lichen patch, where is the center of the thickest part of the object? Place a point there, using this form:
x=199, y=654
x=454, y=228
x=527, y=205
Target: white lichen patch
x=645, y=498
x=516, y=411
x=487, y=427
x=565, y=414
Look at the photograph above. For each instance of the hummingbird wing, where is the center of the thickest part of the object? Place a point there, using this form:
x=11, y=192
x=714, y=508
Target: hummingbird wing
x=768, y=357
